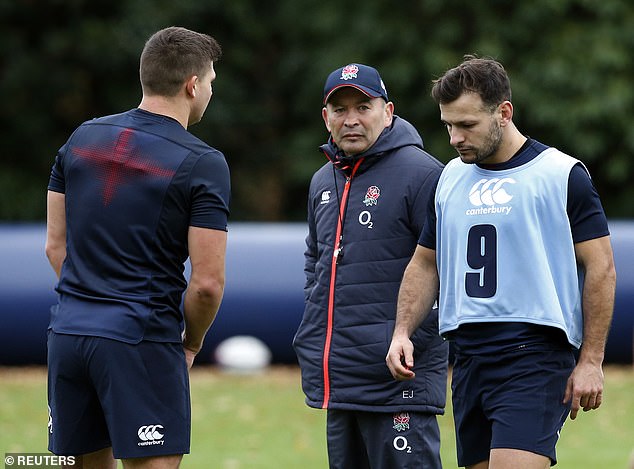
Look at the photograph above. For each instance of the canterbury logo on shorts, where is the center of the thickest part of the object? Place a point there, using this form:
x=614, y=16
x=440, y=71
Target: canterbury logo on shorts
x=150, y=435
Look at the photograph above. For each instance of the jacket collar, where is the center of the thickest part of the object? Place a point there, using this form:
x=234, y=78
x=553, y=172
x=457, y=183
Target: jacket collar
x=400, y=133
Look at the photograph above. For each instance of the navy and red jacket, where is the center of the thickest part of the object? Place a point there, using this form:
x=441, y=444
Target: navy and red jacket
x=365, y=214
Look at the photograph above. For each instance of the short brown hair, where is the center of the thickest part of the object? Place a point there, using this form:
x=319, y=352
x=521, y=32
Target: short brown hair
x=172, y=55
x=483, y=76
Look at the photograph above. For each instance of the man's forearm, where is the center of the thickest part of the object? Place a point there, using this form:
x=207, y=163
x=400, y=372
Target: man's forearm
x=598, y=305
x=416, y=297
x=200, y=309
x=56, y=258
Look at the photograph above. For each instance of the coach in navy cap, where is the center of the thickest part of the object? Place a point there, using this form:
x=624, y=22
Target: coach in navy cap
x=366, y=209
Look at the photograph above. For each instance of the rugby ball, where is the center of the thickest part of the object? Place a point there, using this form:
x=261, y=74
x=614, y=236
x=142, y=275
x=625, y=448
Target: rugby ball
x=242, y=354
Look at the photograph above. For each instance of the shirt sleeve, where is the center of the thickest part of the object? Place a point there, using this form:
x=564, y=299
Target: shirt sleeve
x=211, y=192
x=428, y=234
x=585, y=212
x=56, y=182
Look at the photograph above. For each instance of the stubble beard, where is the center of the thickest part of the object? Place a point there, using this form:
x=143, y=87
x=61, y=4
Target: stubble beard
x=489, y=147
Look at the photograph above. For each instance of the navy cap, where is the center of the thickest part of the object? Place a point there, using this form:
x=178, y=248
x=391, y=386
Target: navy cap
x=362, y=77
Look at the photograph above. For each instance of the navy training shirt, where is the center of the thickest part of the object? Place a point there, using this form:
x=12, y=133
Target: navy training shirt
x=133, y=184
x=587, y=221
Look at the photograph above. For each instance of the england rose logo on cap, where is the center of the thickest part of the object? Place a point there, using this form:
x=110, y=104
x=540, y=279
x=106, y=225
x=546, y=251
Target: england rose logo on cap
x=362, y=77
x=349, y=72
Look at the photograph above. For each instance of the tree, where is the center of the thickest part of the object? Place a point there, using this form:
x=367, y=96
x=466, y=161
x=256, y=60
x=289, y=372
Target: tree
x=66, y=61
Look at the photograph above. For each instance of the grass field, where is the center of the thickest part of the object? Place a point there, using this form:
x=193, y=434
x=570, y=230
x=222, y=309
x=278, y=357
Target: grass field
x=260, y=421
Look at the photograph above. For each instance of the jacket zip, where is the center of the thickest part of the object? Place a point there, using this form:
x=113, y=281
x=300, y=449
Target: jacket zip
x=333, y=275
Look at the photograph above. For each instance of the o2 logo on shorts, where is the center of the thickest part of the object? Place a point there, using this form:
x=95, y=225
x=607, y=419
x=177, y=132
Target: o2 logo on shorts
x=400, y=443
x=401, y=424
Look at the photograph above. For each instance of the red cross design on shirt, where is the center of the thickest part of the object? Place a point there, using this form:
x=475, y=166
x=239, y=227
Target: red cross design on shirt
x=118, y=162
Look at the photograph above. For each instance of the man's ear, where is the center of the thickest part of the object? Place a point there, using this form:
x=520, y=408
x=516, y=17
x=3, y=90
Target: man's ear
x=190, y=86
x=389, y=113
x=506, y=112
x=324, y=115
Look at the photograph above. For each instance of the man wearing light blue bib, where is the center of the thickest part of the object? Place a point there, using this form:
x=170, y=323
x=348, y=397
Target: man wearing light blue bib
x=517, y=251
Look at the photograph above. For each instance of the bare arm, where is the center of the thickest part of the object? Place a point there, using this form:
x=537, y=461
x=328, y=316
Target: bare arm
x=585, y=385
x=418, y=292
x=55, y=230
x=204, y=293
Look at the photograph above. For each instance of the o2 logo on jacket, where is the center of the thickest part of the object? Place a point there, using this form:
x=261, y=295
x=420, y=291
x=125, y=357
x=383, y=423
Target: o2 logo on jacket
x=365, y=218
x=371, y=198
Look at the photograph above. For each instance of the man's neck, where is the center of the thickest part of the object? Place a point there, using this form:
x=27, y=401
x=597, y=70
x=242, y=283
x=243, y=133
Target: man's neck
x=170, y=107
x=510, y=146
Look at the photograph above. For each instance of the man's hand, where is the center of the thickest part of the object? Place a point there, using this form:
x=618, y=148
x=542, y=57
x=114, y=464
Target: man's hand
x=190, y=355
x=400, y=358
x=584, y=388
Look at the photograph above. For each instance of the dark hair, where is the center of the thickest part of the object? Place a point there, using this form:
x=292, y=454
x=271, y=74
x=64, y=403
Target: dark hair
x=484, y=76
x=172, y=55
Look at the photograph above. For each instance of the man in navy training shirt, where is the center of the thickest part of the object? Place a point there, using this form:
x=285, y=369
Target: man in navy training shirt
x=130, y=198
